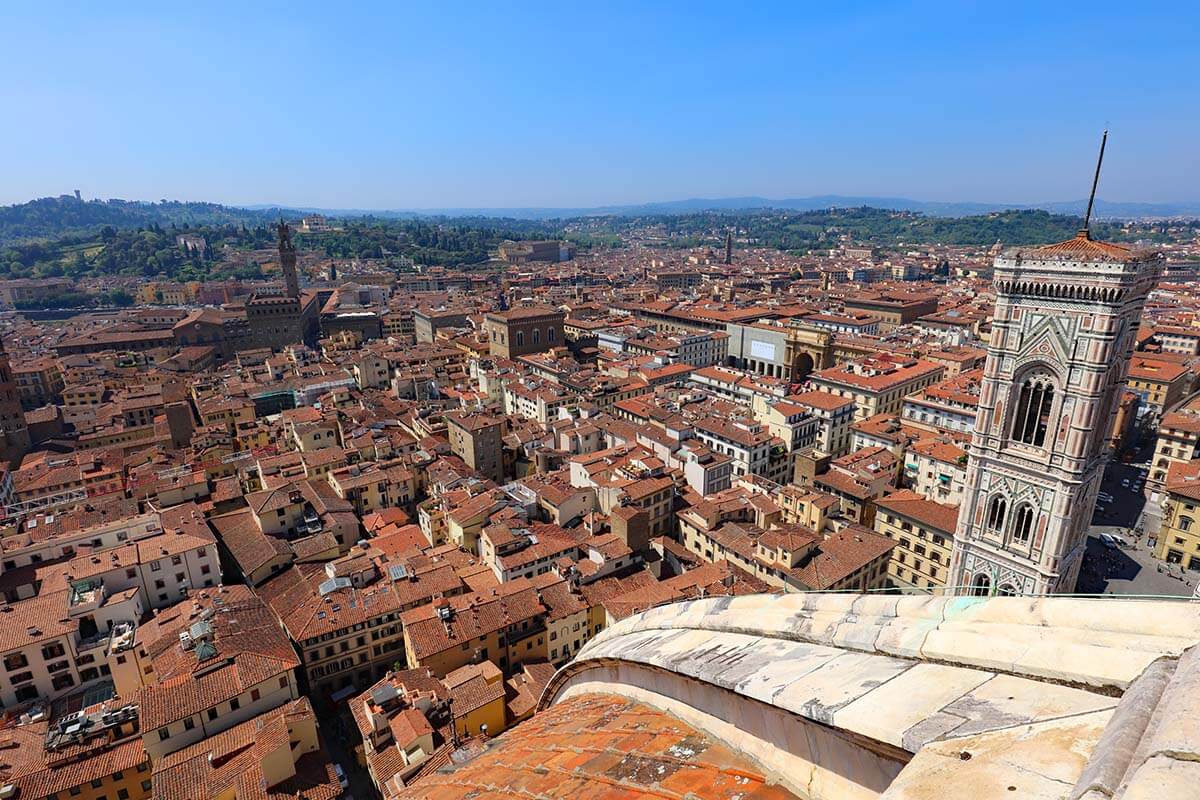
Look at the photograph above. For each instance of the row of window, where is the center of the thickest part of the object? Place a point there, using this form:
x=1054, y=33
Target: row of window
x=535, y=336
x=918, y=565
x=997, y=518
x=981, y=586
x=234, y=704
x=122, y=794
x=916, y=580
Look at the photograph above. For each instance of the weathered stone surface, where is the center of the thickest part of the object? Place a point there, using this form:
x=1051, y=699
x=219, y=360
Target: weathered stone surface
x=1113, y=755
x=1177, y=728
x=1006, y=701
x=1029, y=762
x=1163, y=778
x=1064, y=639
x=889, y=712
x=846, y=684
x=936, y=726
x=1166, y=761
x=783, y=663
x=820, y=693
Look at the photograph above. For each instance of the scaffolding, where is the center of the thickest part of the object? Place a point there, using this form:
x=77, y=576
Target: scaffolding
x=25, y=508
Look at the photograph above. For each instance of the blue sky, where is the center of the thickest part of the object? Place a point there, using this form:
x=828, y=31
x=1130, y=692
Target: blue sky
x=386, y=105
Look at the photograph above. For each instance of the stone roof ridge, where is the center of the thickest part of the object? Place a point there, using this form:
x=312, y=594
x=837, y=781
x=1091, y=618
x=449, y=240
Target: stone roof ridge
x=1105, y=651
x=1012, y=696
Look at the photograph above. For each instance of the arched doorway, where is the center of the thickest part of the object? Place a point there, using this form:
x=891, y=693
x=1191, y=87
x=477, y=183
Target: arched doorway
x=981, y=586
x=1006, y=590
x=804, y=366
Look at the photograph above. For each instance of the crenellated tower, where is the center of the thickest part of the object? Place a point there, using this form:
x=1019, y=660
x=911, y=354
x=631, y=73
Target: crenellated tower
x=287, y=261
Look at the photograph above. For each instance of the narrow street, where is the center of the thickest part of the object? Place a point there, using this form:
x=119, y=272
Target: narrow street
x=1129, y=569
x=341, y=737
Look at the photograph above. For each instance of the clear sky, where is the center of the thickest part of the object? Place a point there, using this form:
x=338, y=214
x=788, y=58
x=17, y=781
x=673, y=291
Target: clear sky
x=361, y=105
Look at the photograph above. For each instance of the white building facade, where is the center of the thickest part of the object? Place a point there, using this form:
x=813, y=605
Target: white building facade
x=1064, y=327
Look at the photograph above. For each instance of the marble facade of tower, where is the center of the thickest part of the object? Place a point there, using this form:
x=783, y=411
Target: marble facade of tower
x=14, y=433
x=1063, y=331
x=287, y=261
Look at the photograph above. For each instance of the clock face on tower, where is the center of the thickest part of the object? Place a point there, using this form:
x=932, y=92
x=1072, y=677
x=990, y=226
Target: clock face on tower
x=1062, y=336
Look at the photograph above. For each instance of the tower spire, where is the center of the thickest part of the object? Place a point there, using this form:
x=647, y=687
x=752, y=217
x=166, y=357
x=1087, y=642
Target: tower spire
x=1087, y=219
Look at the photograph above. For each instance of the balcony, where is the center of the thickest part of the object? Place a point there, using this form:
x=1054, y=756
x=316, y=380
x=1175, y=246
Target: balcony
x=85, y=596
x=95, y=641
x=121, y=637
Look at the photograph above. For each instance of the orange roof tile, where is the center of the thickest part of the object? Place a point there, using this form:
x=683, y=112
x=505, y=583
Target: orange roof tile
x=1083, y=248
x=602, y=747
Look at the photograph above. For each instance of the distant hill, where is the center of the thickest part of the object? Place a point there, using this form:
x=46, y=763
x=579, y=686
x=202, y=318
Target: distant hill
x=55, y=217
x=1104, y=208
x=66, y=216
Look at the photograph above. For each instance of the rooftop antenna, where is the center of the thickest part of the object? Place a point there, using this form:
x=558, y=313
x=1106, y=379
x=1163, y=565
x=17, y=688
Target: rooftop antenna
x=1095, y=181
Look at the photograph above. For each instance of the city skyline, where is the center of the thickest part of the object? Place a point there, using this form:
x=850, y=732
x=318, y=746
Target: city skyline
x=378, y=108
x=623, y=401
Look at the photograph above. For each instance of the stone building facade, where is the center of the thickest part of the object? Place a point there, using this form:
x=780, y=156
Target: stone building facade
x=14, y=432
x=1064, y=329
x=524, y=330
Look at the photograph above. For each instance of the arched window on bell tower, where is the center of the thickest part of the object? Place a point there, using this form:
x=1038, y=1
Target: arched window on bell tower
x=1032, y=417
x=1023, y=524
x=997, y=511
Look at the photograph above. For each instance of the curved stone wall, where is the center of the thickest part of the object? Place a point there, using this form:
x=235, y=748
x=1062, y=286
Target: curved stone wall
x=835, y=694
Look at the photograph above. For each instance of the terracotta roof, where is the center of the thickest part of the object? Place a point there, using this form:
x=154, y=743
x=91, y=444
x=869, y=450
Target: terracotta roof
x=1183, y=479
x=819, y=399
x=1142, y=368
x=249, y=546
x=233, y=762
x=895, y=373
x=1082, y=248
x=842, y=483
x=295, y=598
x=251, y=648
x=939, y=450
x=474, y=686
x=37, y=619
x=842, y=554
x=917, y=507
x=602, y=747
x=524, y=689
x=474, y=615
x=38, y=772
